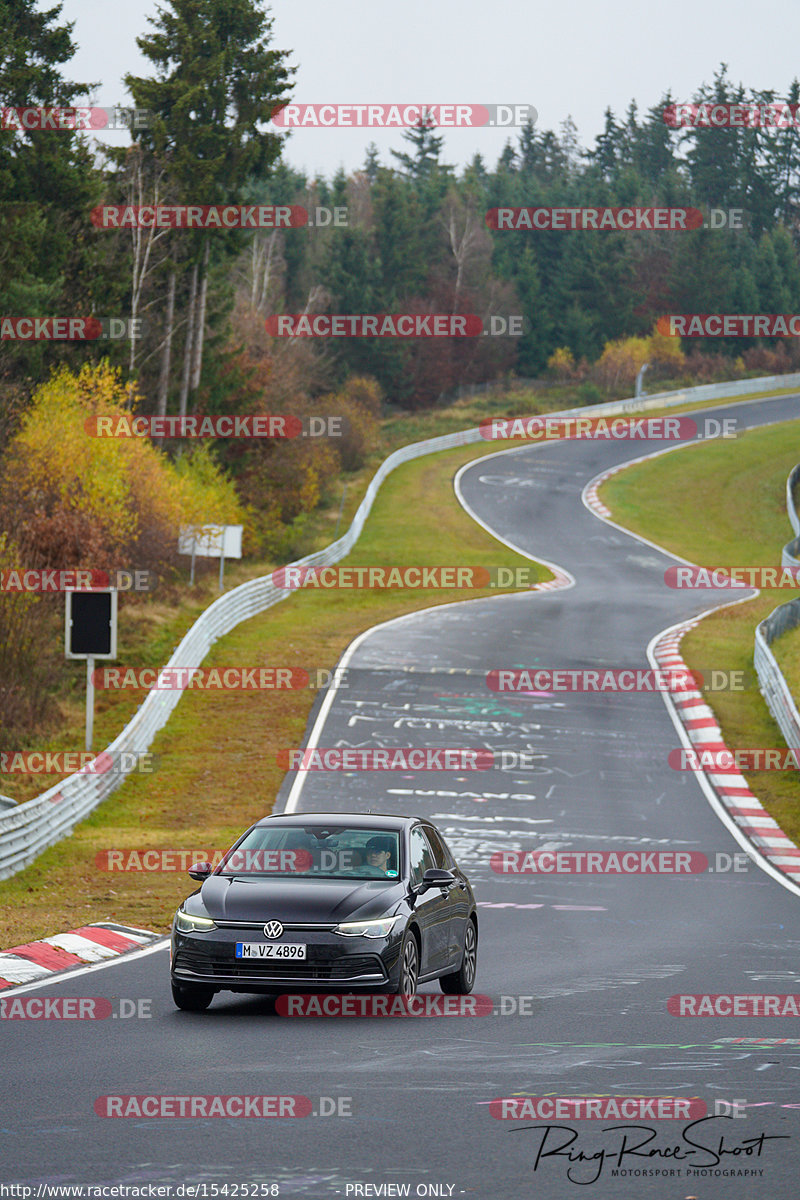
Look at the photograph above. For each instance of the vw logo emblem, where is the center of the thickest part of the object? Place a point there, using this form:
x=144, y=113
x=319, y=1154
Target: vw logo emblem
x=273, y=929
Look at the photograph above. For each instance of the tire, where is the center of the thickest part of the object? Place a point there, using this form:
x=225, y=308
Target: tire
x=462, y=981
x=409, y=967
x=190, y=998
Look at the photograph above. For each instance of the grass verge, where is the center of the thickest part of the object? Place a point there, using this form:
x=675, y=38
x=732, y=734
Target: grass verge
x=739, y=488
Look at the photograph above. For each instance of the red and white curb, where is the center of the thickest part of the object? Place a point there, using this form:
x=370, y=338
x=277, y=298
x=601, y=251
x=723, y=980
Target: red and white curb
x=596, y=505
x=34, y=961
x=755, y=825
x=761, y=830
x=593, y=500
x=562, y=580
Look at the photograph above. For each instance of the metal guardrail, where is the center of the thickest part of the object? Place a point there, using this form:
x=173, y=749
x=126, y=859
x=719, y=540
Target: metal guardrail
x=791, y=488
x=773, y=686
x=29, y=828
x=772, y=683
x=790, y=555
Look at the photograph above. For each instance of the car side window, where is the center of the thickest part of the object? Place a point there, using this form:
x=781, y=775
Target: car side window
x=442, y=857
x=420, y=857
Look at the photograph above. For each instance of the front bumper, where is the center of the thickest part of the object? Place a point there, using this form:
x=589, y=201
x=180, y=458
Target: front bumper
x=333, y=962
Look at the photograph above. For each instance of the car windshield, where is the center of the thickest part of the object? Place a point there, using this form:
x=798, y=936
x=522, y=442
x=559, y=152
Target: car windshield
x=303, y=851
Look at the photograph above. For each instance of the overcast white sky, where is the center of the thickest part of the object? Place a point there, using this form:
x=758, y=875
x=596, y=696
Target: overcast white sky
x=563, y=57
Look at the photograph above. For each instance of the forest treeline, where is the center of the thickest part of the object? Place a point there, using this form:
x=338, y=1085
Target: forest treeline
x=416, y=238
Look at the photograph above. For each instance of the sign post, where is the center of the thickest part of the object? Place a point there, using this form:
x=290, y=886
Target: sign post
x=89, y=702
x=639, y=389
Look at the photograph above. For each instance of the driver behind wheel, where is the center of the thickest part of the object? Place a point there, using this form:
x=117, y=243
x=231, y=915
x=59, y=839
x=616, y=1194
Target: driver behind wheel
x=378, y=851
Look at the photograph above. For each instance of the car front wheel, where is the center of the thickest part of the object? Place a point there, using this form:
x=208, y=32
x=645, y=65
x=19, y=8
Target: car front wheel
x=409, y=967
x=461, y=982
x=190, y=998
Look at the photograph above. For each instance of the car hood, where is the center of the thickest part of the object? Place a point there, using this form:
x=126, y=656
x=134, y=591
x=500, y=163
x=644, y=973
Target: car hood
x=237, y=898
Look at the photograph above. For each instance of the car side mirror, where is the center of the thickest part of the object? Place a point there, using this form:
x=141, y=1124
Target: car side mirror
x=200, y=870
x=435, y=877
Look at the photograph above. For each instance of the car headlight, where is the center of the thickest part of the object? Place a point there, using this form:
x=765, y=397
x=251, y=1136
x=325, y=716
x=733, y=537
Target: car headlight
x=371, y=929
x=186, y=923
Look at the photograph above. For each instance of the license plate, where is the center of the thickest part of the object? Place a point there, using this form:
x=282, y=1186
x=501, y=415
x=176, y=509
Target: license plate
x=270, y=950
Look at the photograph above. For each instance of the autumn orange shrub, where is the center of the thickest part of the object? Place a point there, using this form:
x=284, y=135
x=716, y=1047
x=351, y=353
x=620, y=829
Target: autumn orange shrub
x=561, y=364
x=358, y=403
x=621, y=360
x=74, y=500
x=69, y=500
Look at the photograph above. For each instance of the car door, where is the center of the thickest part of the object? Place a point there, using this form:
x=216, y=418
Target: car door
x=432, y=907
x=458, y=895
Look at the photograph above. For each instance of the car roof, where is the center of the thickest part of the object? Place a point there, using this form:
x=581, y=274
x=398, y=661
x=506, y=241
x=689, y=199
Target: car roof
x=339, y=819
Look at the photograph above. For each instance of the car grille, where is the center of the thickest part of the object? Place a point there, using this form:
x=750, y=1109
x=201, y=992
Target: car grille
x=347, y=967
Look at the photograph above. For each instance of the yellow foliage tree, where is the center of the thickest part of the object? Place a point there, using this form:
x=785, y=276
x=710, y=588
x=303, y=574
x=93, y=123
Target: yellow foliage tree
x=561, y=363
x=621, y=360
x=73, y=499
x=666, y=351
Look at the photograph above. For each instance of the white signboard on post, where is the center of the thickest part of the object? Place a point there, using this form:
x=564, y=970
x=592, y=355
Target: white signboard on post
x=211, y=541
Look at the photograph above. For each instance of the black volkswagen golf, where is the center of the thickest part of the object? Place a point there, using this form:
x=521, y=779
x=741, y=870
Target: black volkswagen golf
x=323, y=901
